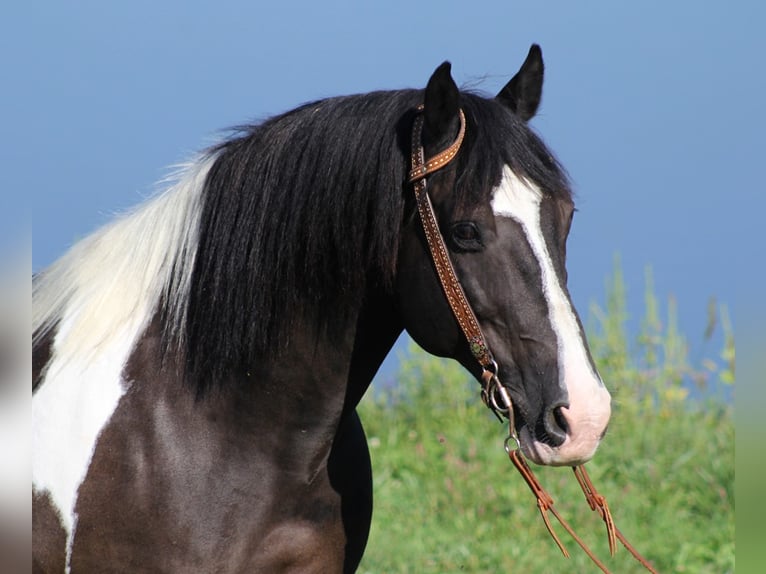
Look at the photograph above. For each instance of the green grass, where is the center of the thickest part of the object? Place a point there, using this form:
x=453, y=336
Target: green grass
x=448, y=500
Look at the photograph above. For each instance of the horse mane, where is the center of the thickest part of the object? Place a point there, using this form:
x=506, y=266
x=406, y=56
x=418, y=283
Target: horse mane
x=285, y=221
x=300, y=212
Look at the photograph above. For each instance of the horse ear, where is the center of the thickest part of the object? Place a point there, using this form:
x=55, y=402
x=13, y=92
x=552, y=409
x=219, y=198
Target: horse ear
x=442, y=102
x=523, y=93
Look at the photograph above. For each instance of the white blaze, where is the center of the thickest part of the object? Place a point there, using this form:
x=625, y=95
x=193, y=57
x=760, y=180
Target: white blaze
x=589, y=401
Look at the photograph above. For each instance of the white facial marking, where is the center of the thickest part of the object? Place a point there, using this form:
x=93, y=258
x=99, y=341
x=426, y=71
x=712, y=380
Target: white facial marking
x=589, y=401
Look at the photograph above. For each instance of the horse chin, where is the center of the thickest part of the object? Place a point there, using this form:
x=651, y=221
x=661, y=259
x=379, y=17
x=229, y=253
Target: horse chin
x=546, y=455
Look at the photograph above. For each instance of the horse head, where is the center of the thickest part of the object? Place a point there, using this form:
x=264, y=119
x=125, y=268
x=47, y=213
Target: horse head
x=504, y=209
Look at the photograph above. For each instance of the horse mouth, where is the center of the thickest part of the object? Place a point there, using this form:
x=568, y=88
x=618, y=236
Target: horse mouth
x=537, y=451
x=570, y=453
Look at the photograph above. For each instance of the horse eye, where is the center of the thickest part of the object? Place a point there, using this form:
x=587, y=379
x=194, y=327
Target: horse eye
x=466, y=237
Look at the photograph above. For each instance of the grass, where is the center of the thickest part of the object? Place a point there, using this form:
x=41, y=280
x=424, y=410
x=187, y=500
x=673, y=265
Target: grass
x=448, y=500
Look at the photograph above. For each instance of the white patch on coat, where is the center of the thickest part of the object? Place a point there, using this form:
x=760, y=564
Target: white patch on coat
x=589, y=401
x=69, y=410
x=98, y=299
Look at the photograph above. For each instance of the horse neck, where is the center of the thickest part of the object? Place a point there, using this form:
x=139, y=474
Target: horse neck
x=306, y=390
x=378, y=326
x=335, y=371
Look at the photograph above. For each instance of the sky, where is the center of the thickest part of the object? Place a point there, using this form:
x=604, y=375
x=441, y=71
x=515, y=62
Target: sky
x=654, y=108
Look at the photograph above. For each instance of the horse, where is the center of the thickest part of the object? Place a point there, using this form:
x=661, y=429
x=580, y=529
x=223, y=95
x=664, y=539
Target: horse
x=197, y=362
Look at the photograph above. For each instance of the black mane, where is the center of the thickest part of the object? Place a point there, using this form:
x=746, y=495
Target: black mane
x=301, y=211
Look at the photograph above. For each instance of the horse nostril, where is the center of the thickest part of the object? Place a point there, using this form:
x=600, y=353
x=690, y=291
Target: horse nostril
x=554, y=427
x=561, y=421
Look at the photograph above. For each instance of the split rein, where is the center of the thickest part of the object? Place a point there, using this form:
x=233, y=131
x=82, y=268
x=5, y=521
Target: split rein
x=493, y=393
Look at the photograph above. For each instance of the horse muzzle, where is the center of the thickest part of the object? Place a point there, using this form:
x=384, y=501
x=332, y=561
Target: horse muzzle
x=567, y=435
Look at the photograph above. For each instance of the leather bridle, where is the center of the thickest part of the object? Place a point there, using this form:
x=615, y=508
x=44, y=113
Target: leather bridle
x=494, y=394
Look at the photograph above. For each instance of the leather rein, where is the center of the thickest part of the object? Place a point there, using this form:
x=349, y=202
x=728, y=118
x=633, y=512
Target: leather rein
x=493, y=393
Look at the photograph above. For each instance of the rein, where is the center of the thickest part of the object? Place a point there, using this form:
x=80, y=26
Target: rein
x=493, y=393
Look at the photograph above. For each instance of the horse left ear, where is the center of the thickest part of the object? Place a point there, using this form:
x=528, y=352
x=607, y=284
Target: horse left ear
x=442, y=103
x=523, y=93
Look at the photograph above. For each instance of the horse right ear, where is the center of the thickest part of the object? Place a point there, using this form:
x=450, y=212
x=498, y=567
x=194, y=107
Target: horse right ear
x=442, y=104
x=523, y=93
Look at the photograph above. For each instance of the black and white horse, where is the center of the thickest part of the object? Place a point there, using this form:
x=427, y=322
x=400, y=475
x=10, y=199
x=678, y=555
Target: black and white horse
x=197, y=362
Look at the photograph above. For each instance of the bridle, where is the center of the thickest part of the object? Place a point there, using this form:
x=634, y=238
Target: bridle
x=493, y=393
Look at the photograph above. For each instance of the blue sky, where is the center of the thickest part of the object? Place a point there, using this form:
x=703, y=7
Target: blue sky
x=655, y=108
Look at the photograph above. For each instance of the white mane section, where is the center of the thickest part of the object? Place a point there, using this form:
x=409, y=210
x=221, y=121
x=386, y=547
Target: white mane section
x=99, y=298
x=116, y=276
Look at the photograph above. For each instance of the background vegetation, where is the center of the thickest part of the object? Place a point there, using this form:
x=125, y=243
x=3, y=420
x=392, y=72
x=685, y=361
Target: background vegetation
x=448, y=500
